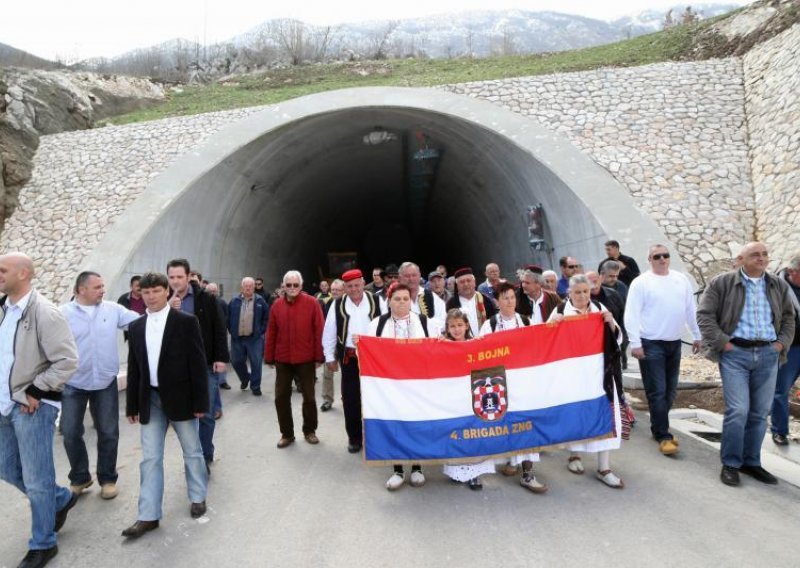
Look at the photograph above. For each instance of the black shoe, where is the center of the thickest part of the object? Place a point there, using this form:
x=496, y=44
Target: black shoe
x=61, y=516
x=326, y=406
x=138, y=528
x=759, y=473
x=729, y=476
x=475, y=484
x=225, y=386
x=780, y=440
x=38, y=558
x=198, y=510
x=245, y=384
x=354, y=447
x=256, y=392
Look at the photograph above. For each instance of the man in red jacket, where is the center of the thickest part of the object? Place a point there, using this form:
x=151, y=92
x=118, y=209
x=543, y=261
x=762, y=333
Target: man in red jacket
x=294, y=347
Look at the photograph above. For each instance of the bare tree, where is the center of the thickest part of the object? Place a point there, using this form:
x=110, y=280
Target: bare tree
x=469, y=40
x=378, y=41
x=290, y=35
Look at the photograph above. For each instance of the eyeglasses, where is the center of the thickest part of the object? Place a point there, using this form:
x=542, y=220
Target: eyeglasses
x=573, y=265
x=292, y=285
x=660, y=255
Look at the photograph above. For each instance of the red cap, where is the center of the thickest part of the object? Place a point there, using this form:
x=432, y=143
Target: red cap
x=462, y=272
x=352, y=275
x=535, y=268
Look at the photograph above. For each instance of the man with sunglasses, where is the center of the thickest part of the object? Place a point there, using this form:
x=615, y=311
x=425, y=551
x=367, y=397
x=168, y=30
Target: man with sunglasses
x=747, y=319
x=294, y=348
x=660, y=307
x=569, y=268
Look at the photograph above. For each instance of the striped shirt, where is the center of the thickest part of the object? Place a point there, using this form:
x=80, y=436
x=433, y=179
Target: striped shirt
x=755, y=323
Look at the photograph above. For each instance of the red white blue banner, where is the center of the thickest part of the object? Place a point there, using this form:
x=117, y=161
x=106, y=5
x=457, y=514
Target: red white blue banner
x=510, y=392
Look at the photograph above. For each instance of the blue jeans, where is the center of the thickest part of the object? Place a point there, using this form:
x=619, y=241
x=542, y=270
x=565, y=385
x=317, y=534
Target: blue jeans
x=104, y=408
x=207, y=422
x=244, y=349
x=787, y=375
x=151, y=470
x=216, y=379
x=748, y=385
x=660, y=369
x=26, y=462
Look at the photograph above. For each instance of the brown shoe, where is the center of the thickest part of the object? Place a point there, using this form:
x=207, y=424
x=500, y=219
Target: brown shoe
x=311, y=438
x=283, y=442
x=138, y=528
x=510, y=470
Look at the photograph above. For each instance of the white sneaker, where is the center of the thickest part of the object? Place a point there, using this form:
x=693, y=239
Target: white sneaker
x=417, y=478
x=395, y=482
x=529, y=481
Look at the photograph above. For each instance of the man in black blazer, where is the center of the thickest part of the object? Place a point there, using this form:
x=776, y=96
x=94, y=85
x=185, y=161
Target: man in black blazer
x=188, y=297
x=167, y=384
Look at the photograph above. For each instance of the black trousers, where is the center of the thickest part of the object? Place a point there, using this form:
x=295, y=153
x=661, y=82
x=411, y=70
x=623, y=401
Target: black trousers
x=351, y=400
x=284, y=374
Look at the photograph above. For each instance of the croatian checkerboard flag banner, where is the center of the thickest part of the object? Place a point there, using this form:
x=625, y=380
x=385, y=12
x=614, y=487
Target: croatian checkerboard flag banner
x=433, y=401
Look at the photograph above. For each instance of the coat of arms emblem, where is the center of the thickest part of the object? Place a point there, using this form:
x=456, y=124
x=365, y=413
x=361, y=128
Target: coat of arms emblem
x=489, y=393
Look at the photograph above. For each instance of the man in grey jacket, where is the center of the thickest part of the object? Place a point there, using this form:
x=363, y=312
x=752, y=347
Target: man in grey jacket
x=37, y=358
x=747, y=322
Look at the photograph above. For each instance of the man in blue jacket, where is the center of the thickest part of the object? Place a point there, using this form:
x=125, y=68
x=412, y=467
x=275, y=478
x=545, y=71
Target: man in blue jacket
x=248, y=314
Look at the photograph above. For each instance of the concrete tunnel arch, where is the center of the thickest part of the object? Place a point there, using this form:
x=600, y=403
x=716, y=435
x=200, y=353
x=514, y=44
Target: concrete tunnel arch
x=281, y=188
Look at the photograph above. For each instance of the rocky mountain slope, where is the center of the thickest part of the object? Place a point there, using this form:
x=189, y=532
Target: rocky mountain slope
x=35, y=102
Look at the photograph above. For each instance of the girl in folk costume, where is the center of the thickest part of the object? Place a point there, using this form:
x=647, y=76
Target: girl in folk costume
x=507, y=318
x=402, y=323
x=457, y=329
x=579, y=302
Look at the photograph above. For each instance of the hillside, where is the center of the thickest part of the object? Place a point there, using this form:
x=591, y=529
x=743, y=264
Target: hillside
x=730, y=34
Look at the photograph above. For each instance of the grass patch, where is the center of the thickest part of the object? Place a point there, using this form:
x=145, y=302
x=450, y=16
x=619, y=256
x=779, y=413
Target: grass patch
x=280, y=85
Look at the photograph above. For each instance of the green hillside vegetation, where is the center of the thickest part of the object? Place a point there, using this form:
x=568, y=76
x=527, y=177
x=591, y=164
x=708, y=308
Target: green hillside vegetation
x=274, y=86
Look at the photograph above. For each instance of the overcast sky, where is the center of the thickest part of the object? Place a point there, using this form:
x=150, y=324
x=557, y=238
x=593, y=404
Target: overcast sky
x=77, y=29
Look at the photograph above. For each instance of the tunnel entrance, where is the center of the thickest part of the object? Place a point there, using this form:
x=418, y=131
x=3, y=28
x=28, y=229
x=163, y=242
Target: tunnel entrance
x=388, y=174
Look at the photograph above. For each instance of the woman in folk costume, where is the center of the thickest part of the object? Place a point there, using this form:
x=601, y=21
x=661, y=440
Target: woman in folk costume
x=457, y=329
x=402, y=323
x=579, y=302
x=507, y=318
x=475, y=305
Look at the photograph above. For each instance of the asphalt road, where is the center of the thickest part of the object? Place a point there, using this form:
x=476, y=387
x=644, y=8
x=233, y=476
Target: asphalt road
x=320, y=506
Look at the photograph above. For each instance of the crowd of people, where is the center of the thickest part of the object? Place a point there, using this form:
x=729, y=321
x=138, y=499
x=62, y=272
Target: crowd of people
x=181, y=336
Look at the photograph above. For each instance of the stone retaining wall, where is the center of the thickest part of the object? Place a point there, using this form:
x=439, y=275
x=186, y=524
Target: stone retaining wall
x=674, y=134
x=772, y=102
x=83, y=180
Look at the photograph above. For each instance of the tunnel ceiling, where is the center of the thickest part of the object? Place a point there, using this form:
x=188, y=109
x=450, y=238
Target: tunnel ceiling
x=268, y=196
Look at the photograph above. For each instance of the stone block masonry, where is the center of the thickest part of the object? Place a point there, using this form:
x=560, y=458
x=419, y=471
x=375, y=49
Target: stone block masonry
x=674, y=134
x=772, y=102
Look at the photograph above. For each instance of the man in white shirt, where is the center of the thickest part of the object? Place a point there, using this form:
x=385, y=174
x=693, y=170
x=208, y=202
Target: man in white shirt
x=348, y=316
x=423, y=301
x=95, y=324
x=660, y=307
x=478, y=307
x=167, y=385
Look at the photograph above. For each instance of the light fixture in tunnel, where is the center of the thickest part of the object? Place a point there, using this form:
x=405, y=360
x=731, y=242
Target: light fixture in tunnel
x=378, y=136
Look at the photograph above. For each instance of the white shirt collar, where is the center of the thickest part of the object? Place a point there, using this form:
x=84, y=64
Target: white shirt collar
x=162, y=312
x=23, y=302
